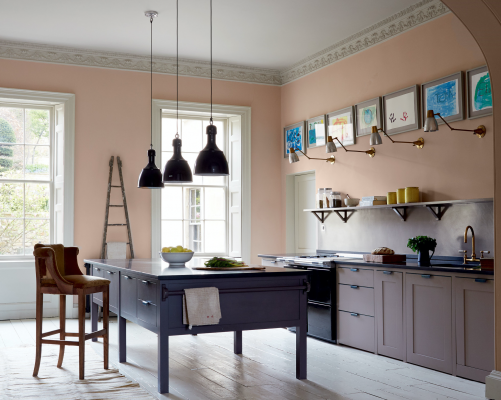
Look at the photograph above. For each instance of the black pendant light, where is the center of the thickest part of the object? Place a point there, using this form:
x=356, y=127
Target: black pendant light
x=151, y=177
x=177, y=169
x=211, y=161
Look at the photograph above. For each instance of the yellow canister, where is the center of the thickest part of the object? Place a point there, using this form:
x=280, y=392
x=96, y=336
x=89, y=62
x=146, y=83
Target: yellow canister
x=411, y=194
x=400, y=196
x=391, y=198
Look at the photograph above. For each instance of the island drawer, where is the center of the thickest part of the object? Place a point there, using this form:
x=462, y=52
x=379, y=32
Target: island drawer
x=112, y=276
x=147, y=311
x=356, y=330
x=147, y=290
x=357, y=299
x=355, y=276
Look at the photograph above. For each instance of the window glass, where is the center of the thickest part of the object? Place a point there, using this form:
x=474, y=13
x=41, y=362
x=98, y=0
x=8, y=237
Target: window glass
x=25, y=157
x=194, y=214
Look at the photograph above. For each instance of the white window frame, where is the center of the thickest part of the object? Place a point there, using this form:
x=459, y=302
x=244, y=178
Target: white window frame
x=21, y=304
x=201, y=110
x=225, y=253
x=51, y=171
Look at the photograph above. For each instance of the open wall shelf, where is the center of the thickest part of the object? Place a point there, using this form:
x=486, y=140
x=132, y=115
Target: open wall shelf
x=437, y=208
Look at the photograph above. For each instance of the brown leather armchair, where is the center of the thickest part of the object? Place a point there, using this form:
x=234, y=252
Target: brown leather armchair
x=58, y=273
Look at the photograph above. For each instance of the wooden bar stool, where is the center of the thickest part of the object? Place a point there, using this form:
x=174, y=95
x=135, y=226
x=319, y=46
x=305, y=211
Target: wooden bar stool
x=58, y=273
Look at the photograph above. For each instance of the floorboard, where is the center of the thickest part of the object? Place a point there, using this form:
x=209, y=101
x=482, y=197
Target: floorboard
x=203, y=367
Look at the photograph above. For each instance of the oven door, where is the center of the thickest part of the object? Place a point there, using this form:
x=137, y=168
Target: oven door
x=320, y=322
x=321, y=281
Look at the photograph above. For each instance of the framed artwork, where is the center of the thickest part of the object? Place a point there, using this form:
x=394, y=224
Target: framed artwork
x=340, y=124
x=316, y=129
x=294, y=137
x=478, y=92
x=444, y=96
x=401, y=111
x=367, y=115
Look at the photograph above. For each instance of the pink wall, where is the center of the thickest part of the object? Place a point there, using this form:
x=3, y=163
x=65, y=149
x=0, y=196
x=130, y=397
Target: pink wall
x=112, y=118
x=452, y=165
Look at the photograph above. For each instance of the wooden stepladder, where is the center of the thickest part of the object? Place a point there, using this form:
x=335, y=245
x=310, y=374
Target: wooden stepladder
x=124, y=205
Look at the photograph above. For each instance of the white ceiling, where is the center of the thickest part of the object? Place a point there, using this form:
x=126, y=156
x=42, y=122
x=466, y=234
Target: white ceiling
x=257, y=33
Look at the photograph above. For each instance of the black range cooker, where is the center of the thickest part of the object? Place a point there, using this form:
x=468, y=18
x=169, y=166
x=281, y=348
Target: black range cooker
x=322, y=308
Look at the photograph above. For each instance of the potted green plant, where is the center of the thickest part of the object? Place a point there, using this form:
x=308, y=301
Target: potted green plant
x=422, y=245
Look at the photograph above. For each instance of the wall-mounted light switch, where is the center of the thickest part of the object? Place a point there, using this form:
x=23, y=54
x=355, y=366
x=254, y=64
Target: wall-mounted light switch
x=323, y=228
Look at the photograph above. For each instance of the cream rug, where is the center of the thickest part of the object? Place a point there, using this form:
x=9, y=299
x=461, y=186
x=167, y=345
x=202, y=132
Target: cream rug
x=17, y=382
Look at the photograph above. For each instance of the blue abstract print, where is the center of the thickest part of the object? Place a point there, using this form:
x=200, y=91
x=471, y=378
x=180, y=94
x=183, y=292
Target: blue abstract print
x=443, y=98
x=294, y=138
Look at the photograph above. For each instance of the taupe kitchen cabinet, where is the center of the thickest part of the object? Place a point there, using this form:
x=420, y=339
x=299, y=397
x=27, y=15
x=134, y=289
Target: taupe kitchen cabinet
x=388, y=290
x=428, y=309
x=355, y=302
x=474, y=327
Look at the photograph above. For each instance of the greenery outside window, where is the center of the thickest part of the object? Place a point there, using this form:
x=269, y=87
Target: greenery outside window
x=26, y=182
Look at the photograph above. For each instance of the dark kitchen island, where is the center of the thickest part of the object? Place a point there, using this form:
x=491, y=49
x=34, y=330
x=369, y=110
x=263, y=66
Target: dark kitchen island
x=148, y=293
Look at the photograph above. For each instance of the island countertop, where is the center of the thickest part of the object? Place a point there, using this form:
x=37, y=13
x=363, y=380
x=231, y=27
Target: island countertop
x=160, y=269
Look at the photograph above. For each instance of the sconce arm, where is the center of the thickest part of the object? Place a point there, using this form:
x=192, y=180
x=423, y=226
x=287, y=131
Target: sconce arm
x=480, y=131
x=330, y=159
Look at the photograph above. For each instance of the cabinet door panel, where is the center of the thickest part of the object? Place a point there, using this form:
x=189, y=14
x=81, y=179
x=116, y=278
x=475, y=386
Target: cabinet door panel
x=112, y=276
x=429, y=321
x=97, y=271
x=356, y=330
x=128, y=295
x=389, y=313
x=475, y=326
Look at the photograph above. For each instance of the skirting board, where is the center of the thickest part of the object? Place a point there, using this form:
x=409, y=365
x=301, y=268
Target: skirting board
x=493, y=386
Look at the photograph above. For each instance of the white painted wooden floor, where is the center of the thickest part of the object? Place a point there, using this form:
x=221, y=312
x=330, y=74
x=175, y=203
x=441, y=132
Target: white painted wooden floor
x=204, y=367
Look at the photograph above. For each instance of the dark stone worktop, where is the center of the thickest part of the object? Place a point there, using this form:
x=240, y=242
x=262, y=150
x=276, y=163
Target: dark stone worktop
x=159, y=269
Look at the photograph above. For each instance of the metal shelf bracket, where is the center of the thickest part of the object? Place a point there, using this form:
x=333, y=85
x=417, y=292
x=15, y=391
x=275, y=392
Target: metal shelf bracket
x=323, y=215
x=402, y=214
x=346, y=215
x=440, y=211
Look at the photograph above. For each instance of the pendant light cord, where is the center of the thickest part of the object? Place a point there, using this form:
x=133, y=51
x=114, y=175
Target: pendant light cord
x=177, y=68
x=151, y=79
x=211, y=62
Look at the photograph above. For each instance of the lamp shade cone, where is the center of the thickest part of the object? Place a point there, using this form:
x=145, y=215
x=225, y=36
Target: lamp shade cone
x=211, y=161
x=330, y=147
x=293, y=157
x=430, y=124
x=150, y=177
x=375, y=137
x=177, y=168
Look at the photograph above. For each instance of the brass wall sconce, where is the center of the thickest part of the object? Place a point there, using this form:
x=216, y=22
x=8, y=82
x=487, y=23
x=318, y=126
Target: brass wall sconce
x=376, y=138
x=431, y=125
x=293, y=157
x=331, y=148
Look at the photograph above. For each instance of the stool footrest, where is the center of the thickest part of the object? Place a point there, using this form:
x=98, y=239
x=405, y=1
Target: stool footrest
x=51, y=333
x=92, y=335
x=54, y=341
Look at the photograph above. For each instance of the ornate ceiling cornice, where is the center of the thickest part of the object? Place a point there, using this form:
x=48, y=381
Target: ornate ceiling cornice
x=163, y=65
x=419, y=13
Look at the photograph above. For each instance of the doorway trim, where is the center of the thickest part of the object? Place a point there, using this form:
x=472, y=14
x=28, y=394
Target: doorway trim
x=290, y=211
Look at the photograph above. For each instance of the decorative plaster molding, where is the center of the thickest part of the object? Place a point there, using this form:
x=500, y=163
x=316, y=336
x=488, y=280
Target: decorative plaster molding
x=419, y=13
x=163, y=65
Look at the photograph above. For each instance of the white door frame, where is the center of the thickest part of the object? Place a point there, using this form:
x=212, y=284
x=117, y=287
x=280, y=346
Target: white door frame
x=290, y=210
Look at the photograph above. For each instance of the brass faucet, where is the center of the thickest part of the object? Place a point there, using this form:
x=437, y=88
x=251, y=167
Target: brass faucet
x=473, y=255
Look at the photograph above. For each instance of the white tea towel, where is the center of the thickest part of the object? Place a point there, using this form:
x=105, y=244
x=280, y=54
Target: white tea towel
x=116, y=250
x=201, y=306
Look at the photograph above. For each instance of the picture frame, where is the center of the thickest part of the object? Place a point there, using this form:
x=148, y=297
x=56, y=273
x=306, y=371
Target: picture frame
x=365, y=118
x=478, y=98
x=294, y=136
x=341, y=124
x=316, y=132
x=444, y=96
x=401, y=110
